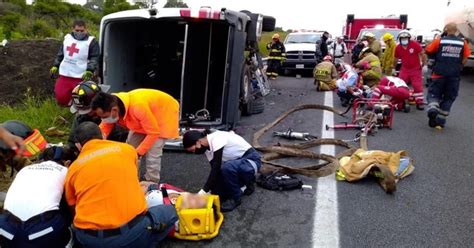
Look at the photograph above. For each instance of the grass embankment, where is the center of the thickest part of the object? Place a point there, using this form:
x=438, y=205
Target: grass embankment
x=41, y=114
x=266, y=38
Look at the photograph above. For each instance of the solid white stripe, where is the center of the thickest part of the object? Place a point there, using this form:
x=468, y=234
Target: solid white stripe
x=6, y=234
x=326, y=219
x=453, y=42
x=40, y=233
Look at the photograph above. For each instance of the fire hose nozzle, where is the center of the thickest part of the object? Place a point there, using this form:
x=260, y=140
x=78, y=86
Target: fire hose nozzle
x=290, y=134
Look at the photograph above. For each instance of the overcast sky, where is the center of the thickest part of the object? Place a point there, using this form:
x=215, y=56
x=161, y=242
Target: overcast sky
x=331, y=14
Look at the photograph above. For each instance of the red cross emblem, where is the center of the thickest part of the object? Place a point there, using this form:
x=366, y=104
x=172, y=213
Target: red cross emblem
x=72, y=49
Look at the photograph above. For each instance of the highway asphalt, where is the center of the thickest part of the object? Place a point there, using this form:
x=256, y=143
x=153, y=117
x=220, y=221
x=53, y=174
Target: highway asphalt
x=434, y=207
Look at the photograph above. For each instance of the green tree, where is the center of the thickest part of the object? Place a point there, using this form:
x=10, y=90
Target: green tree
x=112, y=6
x=9, y=22
x=21, y=3
x=95, y=5
x=175, y=4
x=40, y=28
x=279, y=29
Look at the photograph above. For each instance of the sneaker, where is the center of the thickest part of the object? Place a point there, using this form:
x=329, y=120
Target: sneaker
x=439, y=127
x=249, y=189
x=432, y=118
x=230, y=205
x=420, y=107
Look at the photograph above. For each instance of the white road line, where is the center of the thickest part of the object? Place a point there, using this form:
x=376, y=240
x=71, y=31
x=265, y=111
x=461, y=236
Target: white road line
x=326, y=220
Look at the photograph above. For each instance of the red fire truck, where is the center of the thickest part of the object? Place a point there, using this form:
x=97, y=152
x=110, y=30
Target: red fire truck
x=354, y=28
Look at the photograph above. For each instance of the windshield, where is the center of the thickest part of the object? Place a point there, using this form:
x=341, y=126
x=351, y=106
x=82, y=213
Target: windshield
x=302, y=38
x=379, y=32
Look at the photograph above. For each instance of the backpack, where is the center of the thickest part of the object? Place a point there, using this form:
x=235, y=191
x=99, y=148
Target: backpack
x=279, y=181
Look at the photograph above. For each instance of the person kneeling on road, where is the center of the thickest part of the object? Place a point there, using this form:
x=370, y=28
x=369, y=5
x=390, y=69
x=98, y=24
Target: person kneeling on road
x=152, y=116
x=34, y=215
x=370, y=67
x=325, y=75
x=346, y=83
x=234, y=164
x=103, y=191
x=397, y=89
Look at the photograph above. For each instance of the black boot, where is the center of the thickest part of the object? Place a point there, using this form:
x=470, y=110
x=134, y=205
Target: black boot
x=249, y=189
x=432, y=114
x=230, y=205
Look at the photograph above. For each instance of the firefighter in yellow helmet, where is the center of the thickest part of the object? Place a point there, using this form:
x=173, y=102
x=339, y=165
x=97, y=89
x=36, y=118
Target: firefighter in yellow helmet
x=374, y=44
x=276, y=56
x=389, y=54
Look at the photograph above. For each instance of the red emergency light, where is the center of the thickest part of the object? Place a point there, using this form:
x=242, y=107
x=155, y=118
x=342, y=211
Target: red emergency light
x=202, y=13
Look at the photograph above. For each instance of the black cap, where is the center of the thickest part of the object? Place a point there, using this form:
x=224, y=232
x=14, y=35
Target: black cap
x=87, y=131
x=191, y=137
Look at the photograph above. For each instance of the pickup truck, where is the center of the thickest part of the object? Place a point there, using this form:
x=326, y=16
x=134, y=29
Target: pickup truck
x=300, y=51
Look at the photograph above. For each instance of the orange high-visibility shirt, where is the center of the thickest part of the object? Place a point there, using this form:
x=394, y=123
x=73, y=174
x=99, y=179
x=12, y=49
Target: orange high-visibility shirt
x=150, y=112
x=103, y=186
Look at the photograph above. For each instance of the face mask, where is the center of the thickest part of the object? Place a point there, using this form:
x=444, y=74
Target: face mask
x=79, y=35
x=200, y=150
x=404, y=42
x=110, y=119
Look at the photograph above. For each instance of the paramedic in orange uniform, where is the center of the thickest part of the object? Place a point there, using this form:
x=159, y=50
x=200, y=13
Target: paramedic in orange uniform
x=106, y=198
x=151, y=116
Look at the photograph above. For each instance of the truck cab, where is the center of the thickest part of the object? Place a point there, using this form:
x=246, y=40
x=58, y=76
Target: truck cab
x=196, y=56
x=379, y=32
x=352, y=28
x=300, y=50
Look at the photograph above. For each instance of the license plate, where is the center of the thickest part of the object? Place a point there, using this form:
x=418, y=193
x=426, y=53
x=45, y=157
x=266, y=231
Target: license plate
x=299, y=66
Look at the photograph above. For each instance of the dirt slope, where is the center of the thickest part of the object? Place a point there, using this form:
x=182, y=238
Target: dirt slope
x=25, y=64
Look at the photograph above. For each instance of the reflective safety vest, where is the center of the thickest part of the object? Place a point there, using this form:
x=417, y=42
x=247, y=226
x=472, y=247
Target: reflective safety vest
x=76, y=54
x=449, y=57
x=34, y=144
x=277, y=50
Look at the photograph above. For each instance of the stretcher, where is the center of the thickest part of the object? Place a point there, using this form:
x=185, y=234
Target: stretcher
x=193, y=224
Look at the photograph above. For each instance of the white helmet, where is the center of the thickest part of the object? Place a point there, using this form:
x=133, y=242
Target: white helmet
x=404, y=34
x=154, y=198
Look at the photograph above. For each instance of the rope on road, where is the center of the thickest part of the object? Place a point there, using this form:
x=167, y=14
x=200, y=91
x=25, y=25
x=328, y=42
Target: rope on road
x=273, y=152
